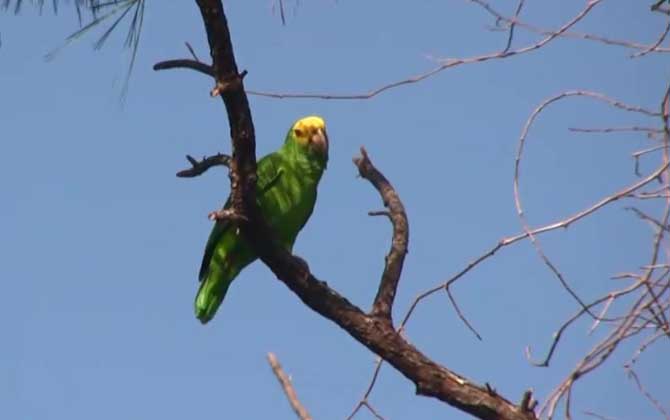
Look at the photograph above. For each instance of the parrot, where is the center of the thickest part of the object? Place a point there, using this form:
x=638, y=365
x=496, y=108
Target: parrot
x=286, y=194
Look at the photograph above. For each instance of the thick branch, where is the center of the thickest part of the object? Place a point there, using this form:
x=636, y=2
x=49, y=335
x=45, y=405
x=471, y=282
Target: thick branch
x=230, y=86
x=383, y=303
x=379, y=336
x=375, y=333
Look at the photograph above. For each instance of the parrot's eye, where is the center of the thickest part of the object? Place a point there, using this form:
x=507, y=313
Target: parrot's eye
x=298, y=132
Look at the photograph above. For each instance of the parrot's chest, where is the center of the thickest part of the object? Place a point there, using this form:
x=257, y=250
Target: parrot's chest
x=287, y=208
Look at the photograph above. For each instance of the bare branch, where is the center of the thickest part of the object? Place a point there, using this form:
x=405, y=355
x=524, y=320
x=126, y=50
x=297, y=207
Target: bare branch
x=602, y=313
x=383, y=302
x=655, y=44
x=658, y=7
x=559, y=333
x=199, y=167
x=527, y=400
x=364, y=400
x=652, y=400
x=446, y=64
x=598, y=416
x=287, y=386
x=644, y=216
x=375, y=333
x=566, y=34
x=372, y=410
x=185, y=63
x=517, y=165
x=616, y=129
x=510, y=35
x=192, y=51
x=460, y=314
x=514, y=239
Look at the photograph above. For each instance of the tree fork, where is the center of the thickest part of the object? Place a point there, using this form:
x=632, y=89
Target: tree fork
x=375, y=331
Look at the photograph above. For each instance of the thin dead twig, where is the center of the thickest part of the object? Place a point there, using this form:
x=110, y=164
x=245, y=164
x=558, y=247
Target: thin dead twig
x=287, y=386
x=199, y=167
x=598, y=416
x=517, y=165
x=655, y=45
x=445, y=64
x=566, y=34
x=615, y=129
x=364, y=400
x=647, y=394
x=510, y=35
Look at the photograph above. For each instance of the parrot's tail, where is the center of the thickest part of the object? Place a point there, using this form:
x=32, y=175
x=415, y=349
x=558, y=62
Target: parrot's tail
x=212, y=290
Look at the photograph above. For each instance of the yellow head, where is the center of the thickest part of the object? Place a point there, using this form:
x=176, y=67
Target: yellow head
x=310, y=133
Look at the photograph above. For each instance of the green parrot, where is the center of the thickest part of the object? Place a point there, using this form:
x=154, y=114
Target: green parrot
x=286, y=194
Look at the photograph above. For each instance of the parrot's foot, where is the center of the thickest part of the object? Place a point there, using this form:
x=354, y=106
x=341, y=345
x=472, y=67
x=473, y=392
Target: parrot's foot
x=225, y=85
x=226, y=214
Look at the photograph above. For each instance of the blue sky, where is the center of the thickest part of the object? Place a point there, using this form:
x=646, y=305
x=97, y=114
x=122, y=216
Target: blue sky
x=101, y=243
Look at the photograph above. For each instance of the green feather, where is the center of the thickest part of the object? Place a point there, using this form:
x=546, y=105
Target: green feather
x=286, y=194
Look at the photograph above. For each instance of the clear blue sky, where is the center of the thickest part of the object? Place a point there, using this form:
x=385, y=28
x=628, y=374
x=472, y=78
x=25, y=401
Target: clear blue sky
x=101, y=243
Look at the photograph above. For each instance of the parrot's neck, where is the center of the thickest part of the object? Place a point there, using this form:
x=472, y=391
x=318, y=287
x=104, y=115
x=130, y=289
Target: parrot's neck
x=311, y=167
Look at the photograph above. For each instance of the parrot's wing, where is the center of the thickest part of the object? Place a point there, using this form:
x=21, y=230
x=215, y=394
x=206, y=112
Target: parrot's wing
x=269, y=171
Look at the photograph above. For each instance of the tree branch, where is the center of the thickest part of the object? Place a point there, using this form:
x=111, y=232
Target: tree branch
x=287, y=386
x=229, y=86
x=383, y=302
x=375, y=333
x=443, y=65
x=185, y=63
x=199, y=167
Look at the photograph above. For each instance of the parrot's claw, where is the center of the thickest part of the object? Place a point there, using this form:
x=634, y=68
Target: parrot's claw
x=226, y=214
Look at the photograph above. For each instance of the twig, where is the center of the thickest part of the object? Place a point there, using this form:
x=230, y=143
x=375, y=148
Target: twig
x=199, y=167
x=364, y=400
x=460, y=314
x=645, y=344
x=559, y=333
x=510, y=35
x=526, y=400
x=566, y=34
x=372, y=410
x=652, y=400
x=615, y=129
x=602, y=313
x=287, y=386
x=657, y=7
x=598, y=416
x=517, y=165
x=281, y=12
x=192, y=51
x=446, y=64
x=658, y=42
x=642, y=215
x=636, y=156
x=185, y=63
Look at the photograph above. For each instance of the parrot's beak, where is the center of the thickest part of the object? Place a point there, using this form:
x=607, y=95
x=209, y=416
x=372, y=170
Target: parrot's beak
x=320, y=142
